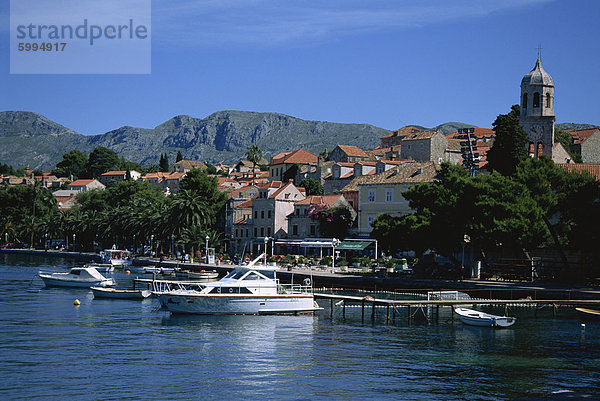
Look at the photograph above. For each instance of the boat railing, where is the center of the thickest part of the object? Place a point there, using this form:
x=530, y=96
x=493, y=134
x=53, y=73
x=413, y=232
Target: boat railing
x=295, y=288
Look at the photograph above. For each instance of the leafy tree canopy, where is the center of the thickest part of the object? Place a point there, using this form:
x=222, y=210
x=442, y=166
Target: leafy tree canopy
x=102, y=160
x=509, y=147
x=313, y=187
x=74, y=163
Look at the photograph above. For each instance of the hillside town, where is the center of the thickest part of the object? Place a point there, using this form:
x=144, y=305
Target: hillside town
x=278, y=205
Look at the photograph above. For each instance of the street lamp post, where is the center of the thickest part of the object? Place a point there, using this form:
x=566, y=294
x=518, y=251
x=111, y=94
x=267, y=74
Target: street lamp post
x=6, y=237
x=207, y=238
x=334, y=242
x=172, y=246
x=46, y=242
x=134, y=247
x=74, y=248
x=266, y=242
x=151, y=245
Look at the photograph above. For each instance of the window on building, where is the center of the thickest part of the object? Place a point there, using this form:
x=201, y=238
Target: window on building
x=237, y=232
x=297, y=212
x=371, y=219
x=255, y=232
x=371, y=195
x=262, y=231
x=389, y=195
x=524, y=100
x=294, y=230
x=313, y=229
x=536, y=99
x=268, y=231
x=247, y=233
x=256, y=214
x=548, y=100
x=262, y=214
x=269, y=213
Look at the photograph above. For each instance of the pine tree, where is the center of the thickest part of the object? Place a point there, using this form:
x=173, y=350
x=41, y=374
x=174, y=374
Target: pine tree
x=179, y=156
x=164, y=163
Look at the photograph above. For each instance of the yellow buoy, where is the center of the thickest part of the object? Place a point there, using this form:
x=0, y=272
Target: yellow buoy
x=76, y=303
x=127, y=272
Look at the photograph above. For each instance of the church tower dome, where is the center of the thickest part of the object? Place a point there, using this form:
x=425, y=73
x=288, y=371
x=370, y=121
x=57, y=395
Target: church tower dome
x=537, y=110
x=537, y=92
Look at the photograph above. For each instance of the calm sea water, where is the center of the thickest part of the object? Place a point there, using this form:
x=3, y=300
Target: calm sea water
x=119, y=349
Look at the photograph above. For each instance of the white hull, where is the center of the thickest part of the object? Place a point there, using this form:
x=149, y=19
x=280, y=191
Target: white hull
x=66, y=282
x=481, y=319
x=237, y=304
x=100, y=292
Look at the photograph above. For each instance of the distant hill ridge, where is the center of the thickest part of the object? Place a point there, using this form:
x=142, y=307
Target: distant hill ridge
x=30, y=140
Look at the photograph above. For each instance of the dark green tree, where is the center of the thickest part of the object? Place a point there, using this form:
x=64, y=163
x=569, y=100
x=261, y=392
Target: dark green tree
x=313, y=187
x=164, y=163
x=206, y=188
x=179, y=156
x=74, y=163
x=102, y=160
x=510, y=144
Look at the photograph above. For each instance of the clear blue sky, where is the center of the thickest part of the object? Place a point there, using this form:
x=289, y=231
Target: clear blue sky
x=386, y=63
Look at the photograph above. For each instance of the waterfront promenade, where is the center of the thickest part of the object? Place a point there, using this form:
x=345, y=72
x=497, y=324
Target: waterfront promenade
x=324, y=278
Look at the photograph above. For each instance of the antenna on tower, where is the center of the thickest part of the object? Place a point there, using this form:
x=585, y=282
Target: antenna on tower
x=539, y=49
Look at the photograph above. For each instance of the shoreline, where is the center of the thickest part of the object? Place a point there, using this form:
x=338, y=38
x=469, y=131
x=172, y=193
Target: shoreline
x=349, y=280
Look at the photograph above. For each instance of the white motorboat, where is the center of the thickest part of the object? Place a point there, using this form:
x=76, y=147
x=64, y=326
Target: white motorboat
x=246, y=290
x=84, y=277
x=117, y=293
x=476, y=318
x=116, y=257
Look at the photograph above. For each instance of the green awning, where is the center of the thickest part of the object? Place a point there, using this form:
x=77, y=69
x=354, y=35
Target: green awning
x=353, y=245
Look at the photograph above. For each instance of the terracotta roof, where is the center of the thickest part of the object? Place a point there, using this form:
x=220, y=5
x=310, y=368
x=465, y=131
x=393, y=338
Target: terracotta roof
x=415, y=136
x=367, y=163
x=300, y=156
x=190, y=164
x=245, y=204
x=274, y=194
x=396, y=162
x=351, y=150
x=582, y=135
x=241, y=221
x=409, y=129
x=242, y=189
x=77, y=183
x=593, y=169
x=155, y=175
x=175, y=176
x=115, y=173
x=327, y=200
x=405, y=173
x=272, y=184
x=345, y=164
x=479, y=132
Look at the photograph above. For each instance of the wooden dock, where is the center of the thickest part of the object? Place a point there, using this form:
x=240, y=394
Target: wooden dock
x=392, y=304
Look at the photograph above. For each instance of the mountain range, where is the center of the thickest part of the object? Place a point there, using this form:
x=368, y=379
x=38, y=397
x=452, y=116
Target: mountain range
x=30, y=140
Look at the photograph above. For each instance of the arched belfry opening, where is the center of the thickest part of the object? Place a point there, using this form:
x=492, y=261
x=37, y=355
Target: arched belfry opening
x=536, y=99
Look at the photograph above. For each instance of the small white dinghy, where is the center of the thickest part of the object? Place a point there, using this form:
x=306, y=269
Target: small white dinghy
x=117, y=293
x=475, y=318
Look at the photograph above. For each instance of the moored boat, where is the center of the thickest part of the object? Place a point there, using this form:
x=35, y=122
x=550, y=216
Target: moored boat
x=246, y=290
x=83, y=277
x=118, y=293
x=476, y=318
x=197, y=275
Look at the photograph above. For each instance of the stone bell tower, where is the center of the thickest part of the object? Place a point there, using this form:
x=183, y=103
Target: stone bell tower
x=537, y=110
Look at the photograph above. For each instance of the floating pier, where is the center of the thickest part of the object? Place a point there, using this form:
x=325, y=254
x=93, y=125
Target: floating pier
x=392, y=304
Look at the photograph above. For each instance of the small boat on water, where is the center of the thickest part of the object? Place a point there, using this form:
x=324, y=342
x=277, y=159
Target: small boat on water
x=117, y=293
x=589, y=313
x=197, y=275
x=476, y=318
x=246, y=290
x=83, y=277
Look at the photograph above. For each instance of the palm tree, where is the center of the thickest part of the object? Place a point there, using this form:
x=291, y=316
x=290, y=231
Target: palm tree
x=189, y=209
x=254, y=154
